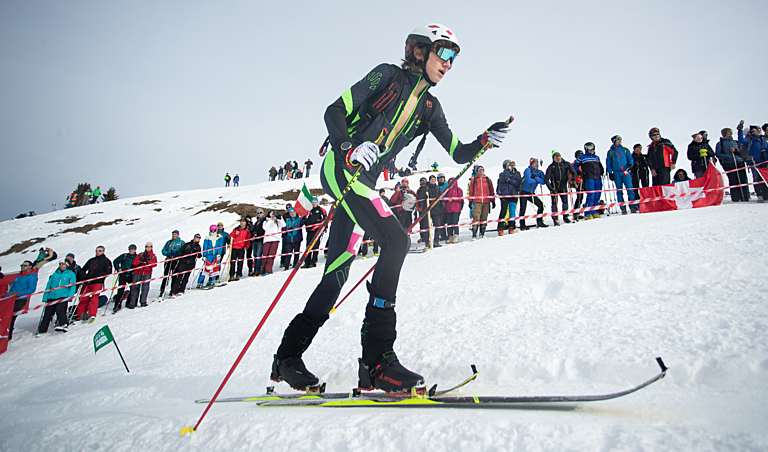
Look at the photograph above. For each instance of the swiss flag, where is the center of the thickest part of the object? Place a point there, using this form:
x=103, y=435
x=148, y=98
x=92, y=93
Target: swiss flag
x=693, y=192
x=764, y=173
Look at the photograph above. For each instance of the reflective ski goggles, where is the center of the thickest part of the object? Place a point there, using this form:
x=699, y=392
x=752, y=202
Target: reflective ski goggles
x=446, y=54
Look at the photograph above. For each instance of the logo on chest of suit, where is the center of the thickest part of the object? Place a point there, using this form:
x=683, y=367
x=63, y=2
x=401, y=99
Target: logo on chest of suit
x=429, y=104
x=374, y=78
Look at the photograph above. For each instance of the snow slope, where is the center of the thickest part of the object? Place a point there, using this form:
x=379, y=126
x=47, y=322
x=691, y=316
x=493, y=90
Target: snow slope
x=579, y=309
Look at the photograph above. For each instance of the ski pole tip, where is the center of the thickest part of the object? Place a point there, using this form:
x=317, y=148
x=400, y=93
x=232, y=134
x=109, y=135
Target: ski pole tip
x=332, y=310
x=661, y=364
x=186, y=430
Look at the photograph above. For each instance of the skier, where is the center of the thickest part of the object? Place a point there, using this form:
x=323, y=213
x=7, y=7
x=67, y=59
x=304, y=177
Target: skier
x=430, y=52
x=96, y=194
x=227, y=178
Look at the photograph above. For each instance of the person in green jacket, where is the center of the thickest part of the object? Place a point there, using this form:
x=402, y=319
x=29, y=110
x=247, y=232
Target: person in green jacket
x=61, y=285
x=122, y=264
x=96, y=194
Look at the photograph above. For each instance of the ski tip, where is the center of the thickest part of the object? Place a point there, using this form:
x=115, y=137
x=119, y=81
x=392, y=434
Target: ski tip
x=270, y=390
x=186, y=430
x=661, y=364
x=511, y=118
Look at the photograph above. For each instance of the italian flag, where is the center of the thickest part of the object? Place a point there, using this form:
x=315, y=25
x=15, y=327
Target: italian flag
x=304, y=203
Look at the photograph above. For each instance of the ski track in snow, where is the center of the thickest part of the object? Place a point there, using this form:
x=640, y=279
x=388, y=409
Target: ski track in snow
x=579, y=309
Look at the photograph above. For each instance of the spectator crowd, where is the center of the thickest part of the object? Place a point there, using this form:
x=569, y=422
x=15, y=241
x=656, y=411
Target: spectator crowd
x=251, y=248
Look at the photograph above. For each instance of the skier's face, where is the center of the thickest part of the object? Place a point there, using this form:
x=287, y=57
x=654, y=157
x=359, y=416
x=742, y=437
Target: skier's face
x=437, y=67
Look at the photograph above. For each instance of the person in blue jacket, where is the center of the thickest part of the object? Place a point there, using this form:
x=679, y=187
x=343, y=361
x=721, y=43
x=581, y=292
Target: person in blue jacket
x=23, y=286
x=212, y=246
x=591, y=172
x=728, y=154
x=508, y=187
x=62, y=286
x=170, y=250
x=532, y=178
x=619, y=161
x=292, y=239
x=756, y=146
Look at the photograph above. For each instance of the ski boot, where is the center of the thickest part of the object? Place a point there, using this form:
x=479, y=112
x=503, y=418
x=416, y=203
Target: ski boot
x=566, y=219
x=287, y=365
x=540, y=223
x=390, y=376
x=294, y=372
x=379, y=367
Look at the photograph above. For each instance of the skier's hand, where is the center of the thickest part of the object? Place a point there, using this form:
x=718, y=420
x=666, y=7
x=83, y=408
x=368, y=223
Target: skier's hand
x=610, y=176
x=493, y=204
x=495, y=134
x=366, y=154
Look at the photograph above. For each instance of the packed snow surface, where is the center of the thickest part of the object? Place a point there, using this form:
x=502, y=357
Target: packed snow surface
x=580, y=309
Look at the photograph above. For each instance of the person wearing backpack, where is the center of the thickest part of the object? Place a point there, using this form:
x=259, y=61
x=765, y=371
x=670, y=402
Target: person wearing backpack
x=360, y=150
x=728, y=153
x=753, y=151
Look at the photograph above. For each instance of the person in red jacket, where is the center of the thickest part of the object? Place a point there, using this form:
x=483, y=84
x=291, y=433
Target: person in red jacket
x=662, y=157
x=481, y=193
x=240, y=237
x=142, y=267
x=405, y=200
x=452, y=210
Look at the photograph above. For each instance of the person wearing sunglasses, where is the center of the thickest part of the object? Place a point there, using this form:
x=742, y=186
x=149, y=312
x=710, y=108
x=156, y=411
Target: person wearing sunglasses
x=94, y=272
x=22, y=287
x=662, y=158
x=365, y=139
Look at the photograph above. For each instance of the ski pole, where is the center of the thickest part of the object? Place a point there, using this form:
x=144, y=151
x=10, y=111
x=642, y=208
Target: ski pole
x=442, y=193
x=277, y=298
x=106, y=305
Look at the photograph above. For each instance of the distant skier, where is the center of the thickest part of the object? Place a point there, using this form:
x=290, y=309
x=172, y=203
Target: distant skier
x=430, y=52
x=96, y=194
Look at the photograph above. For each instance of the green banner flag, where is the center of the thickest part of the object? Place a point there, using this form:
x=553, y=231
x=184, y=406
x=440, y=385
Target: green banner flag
x=102, y=338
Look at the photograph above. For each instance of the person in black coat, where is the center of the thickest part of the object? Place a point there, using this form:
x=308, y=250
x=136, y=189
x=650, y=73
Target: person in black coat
x=700, y=153
x=312, y=224
x=639, y=170
x=508, y=188
x=93, y=274
x=191, y=252
x=558, y=174
x=257, y=241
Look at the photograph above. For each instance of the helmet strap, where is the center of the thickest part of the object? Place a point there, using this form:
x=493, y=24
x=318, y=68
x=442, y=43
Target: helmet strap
x=424, y=68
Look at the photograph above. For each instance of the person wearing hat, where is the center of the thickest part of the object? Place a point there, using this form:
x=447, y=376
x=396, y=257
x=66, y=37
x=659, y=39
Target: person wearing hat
x=425, y=194
x=292, y=239
x=227, y=178
x=96, y=194
x=188, y=255
x=212, y=244
x=508, y=189
x=123, y=264
x=619, y=161
x=700, y=153
x=236, y=181
x=592, y=173
x=170, y=251
x=142, y=267
x=94, y=273
x=72, y=264
x=249, y=244
x=532, y=178
x=61, y=285
x=728, y=153
x=257, y=242
x=312, y=222
x=578, y=185
x=482, y=195
x=239, y=238
x=558, y=173
x=755, y=146
x=662, y=157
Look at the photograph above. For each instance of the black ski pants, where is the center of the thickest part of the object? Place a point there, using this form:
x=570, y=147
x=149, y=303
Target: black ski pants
x=736, y=178
x=181, y=278
x=662, y=176
x=525, y=198
x=562, y=192
x=637, y=179
x=60, y=309
x=236, y=262
x=168, y=269
x=122, y=280
x=290, y=249
x=312, y=257
x=505, y=203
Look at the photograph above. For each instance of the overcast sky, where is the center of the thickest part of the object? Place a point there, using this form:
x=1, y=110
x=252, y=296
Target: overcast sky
x=158, y=96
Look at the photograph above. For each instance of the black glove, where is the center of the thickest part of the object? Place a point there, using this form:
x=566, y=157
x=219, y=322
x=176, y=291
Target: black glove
x=610, y=176
x=493, y=204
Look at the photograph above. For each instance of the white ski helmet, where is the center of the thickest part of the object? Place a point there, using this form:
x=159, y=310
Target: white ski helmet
x=430, y=33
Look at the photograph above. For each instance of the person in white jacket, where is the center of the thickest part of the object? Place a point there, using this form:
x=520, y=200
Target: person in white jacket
x=273, y=226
